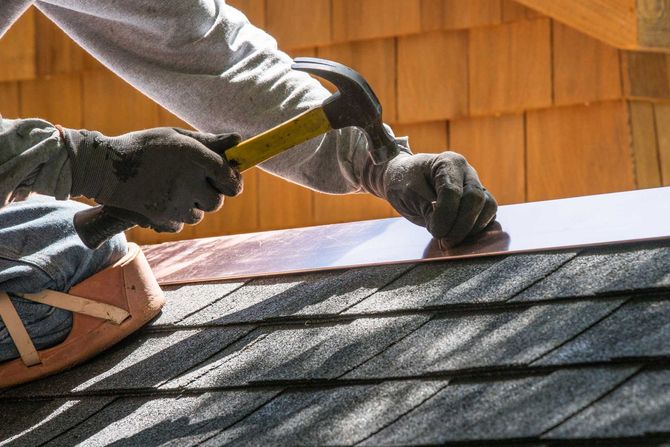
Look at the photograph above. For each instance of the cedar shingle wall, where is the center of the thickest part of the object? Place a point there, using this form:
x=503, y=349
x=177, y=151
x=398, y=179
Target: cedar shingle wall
x=541, y=110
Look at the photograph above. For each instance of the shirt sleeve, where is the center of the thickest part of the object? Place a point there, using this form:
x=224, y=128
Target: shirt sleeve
x=207, y=64
x=10, y=11
x=33, y=158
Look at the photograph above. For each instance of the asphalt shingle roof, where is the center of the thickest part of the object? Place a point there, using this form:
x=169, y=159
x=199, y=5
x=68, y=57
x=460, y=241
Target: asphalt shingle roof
x=539, y=349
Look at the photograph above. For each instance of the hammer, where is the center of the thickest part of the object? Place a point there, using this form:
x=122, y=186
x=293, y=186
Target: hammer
x=354, y=104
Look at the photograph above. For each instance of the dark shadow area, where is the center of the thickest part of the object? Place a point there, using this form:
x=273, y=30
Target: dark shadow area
x=313, y=294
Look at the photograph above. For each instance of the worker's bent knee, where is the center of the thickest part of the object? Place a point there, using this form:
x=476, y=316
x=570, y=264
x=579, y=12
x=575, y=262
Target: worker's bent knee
x=40, y=249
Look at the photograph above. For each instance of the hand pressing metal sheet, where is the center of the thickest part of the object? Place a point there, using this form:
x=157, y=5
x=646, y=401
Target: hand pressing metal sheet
x=539, y=226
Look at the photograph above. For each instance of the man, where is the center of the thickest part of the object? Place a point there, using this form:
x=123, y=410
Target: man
x=203, y=61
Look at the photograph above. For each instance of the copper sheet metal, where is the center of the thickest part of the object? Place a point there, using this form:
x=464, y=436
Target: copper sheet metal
x=575, y=222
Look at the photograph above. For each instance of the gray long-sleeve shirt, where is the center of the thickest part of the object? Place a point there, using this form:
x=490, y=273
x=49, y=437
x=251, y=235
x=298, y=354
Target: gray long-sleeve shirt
x=203, y=61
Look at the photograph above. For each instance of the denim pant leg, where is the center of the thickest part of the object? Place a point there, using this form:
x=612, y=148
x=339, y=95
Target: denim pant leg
x=39, y=249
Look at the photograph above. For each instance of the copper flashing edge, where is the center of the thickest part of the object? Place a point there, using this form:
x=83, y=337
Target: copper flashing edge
x=537, y=226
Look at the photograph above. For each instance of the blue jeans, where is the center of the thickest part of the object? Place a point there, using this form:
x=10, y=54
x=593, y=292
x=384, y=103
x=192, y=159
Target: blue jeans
x=39, y=249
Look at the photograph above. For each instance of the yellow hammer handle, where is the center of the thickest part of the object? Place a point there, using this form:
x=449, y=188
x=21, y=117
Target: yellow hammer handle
x=257, y=149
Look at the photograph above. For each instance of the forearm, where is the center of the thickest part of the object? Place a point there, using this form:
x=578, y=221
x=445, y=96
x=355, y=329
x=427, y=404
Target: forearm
x=204, y=62
x=33, y=158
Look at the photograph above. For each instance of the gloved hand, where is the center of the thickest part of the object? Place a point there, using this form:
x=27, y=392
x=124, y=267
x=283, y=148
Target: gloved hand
x=164, y=177
x=441, y=192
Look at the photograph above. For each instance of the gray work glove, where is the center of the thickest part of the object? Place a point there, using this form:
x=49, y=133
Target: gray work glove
x=164, y=177
x=441, y=192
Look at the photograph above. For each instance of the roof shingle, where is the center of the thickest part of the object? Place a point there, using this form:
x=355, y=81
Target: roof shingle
x=535, y=348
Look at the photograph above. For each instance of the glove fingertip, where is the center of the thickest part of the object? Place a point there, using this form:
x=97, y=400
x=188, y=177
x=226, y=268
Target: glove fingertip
x=230, y=186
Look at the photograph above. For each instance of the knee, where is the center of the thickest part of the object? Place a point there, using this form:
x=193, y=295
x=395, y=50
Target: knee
x=41, y=247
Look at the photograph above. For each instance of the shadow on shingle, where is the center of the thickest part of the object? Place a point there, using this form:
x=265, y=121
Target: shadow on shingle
x=510, y=338
x=505, y=409
x=31, y=423
x=316, y=294
x=603, y=270
x=299, y=354
x=629, y=410
x=155, y=421
x=205, y=361
x=469, y=282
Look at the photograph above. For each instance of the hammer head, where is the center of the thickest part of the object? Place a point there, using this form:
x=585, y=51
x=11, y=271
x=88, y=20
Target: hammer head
x=354, y=104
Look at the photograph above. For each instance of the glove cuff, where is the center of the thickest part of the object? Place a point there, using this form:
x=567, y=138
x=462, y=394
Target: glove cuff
x=372, y=177
x=90, y=157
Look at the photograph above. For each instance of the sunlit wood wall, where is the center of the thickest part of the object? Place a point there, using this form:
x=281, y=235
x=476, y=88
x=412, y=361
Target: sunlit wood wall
x=540, y=109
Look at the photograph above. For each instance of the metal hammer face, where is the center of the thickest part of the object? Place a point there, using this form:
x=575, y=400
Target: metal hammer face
x=354, y=104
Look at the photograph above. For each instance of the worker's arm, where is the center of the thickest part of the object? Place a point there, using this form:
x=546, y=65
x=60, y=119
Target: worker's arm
x=33, y=158
x=165, y=177
x=204, y=62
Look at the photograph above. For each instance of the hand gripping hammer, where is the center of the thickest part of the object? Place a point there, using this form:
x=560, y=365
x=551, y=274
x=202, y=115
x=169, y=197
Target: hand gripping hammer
x=354, y=104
